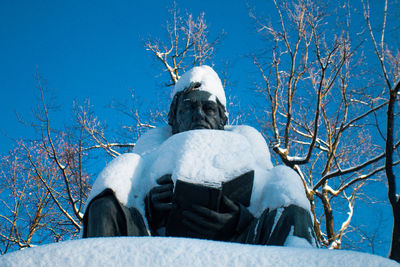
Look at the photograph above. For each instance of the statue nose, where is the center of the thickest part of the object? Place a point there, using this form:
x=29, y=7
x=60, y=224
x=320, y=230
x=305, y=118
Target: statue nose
x=198, y=113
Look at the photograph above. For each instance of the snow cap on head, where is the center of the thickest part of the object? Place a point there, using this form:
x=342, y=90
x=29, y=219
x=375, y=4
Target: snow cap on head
x=208, y=79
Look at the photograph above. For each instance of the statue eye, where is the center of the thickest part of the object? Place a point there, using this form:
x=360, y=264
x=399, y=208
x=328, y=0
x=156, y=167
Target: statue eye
x=210, y=108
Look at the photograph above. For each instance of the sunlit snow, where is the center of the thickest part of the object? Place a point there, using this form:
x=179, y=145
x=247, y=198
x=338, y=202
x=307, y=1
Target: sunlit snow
x=201, y=156
x=208, y=78
x=162, y=251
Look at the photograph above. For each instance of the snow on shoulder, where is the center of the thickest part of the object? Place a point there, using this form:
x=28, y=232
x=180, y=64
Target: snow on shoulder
x=158, y=251
x=201, y=156
x=119, y=175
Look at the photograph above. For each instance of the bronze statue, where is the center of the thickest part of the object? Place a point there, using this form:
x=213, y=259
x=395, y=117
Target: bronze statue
x=198, y=103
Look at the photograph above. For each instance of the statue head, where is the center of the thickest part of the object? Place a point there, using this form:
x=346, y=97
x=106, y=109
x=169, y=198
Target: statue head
x=199, y=102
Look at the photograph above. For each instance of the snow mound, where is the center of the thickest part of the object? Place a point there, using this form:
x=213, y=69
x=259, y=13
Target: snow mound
x=121, y=173
x=204, y=156
x=201, y=156
x=208, y=78
x=152, y=251
x=256, y=141
x=151, y=140
x=275, y=188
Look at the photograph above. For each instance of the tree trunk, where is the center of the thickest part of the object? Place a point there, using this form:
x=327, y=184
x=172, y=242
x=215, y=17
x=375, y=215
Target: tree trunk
x=393, y=198
x=394, y=253
x=330, y=231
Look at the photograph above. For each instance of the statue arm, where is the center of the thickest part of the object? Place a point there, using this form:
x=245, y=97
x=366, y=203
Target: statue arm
x=232, y=219
x=159, y=203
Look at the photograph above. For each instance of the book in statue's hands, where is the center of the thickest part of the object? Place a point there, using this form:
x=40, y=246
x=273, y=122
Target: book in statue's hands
x=187, y=194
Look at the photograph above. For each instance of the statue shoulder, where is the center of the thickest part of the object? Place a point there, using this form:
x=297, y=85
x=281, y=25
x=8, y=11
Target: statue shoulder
x=245, y=130
x=256, y=141
x=151, y=140
x=118, y=175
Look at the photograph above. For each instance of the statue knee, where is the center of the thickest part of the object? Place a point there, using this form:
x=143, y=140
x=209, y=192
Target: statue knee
x=287, y=221
x=296, y=214
x=301, y=222
x=104, y=217
x=105, y=206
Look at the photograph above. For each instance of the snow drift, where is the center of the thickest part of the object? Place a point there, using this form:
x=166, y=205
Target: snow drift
x=162, y=251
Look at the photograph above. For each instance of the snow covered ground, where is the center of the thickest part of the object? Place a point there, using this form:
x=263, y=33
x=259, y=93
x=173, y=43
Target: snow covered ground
x=162, y=251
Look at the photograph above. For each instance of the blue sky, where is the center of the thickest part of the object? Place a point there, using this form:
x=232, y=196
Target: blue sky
x=95, y=50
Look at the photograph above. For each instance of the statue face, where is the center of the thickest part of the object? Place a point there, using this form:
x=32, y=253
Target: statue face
x=197, y=110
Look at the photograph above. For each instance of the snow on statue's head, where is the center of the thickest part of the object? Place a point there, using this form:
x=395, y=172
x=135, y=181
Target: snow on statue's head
x=198, y=102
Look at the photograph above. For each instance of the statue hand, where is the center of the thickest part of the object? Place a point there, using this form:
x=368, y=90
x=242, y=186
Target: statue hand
x=210, y=224
x=159, y=201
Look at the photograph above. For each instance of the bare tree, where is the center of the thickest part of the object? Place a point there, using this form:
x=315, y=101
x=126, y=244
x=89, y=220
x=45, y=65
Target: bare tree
x=188, y=44
x=93, y=127
x=44, y=186
x=390, y=74
x=45, y=182
x=321, y=118
x=319, y=109
x=394, y=198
